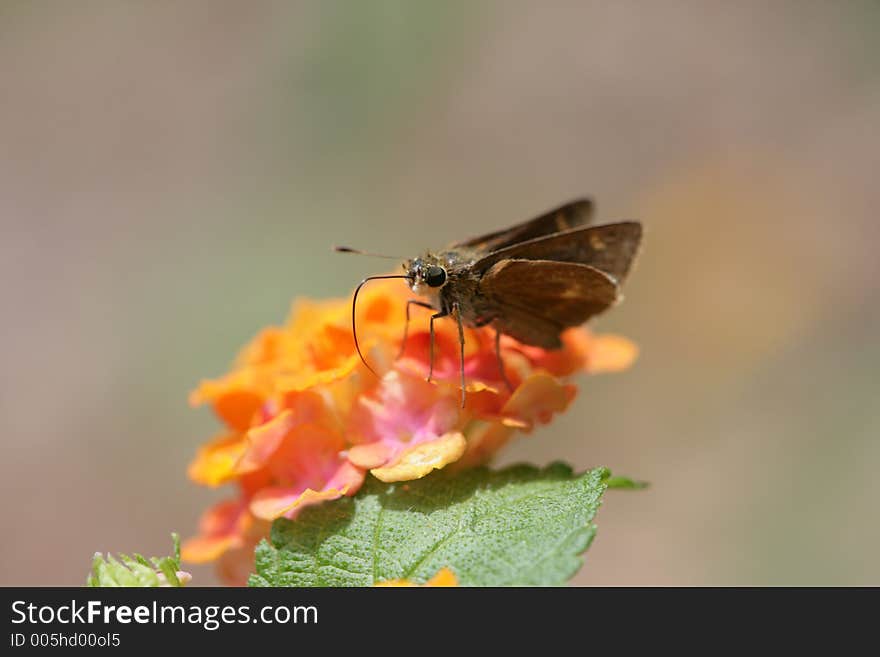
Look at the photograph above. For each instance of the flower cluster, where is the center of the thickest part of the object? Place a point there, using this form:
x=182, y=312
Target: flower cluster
x=305, y=420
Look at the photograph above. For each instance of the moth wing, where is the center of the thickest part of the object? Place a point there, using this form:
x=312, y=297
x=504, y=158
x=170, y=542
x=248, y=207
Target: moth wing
x=534, y=300
x=610, y=248
x=565, y=217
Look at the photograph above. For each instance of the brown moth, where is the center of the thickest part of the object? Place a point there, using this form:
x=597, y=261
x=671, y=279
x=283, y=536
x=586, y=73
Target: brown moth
x=530, y=281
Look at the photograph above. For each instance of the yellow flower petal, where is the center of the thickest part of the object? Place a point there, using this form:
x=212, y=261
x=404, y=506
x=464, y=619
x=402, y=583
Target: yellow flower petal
x=215, y=462
x=421, y=459
x=611, y=353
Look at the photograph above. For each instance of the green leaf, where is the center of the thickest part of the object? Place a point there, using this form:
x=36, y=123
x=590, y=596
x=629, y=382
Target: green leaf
x=625, y=483
x=518, y=526
x=136, y=570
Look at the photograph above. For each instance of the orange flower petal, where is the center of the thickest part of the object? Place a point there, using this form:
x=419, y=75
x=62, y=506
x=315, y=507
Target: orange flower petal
x=484, y=442
x=572, y=357
x=221, y=528
x=235, y=398
x=214, y=463
x=265, y=348
x=307, y=406
x=536, y=400
x=444, y=577
x=204, y=549
x=263, y=441
x=370, y=455
x=237, y=408
x=275, y=502
x=417, y=461
x=309, y=455
x=611, y=353
x=306, y=379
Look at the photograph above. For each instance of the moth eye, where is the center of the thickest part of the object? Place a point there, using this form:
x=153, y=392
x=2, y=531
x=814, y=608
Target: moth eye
x=435, y=276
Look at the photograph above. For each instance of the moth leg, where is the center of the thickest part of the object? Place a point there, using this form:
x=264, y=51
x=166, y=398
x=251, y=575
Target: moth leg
x=457, y=311
x=411, y=302
x=442, y=313
x=500, y=361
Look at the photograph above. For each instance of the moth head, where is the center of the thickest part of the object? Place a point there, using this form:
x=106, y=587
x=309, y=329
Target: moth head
x=425, y=274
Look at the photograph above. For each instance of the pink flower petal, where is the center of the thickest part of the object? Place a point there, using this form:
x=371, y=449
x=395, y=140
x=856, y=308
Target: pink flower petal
x=404, y=411
x=276, y=501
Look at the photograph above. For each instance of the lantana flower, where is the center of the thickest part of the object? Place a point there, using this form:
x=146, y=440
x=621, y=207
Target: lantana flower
x=304, y=420
x=444, y=578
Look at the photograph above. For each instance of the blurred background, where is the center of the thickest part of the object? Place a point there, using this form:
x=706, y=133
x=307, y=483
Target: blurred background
x=173, y=174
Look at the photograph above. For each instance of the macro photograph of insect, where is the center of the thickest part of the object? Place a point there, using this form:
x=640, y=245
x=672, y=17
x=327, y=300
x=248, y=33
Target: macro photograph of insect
x=530, y=281
x=462, y=294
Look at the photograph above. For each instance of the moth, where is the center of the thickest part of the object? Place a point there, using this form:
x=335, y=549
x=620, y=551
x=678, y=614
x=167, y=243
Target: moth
x=530, y=281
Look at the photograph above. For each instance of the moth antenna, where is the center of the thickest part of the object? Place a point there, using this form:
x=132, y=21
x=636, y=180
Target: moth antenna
x=354, y=314
x=348, y=249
